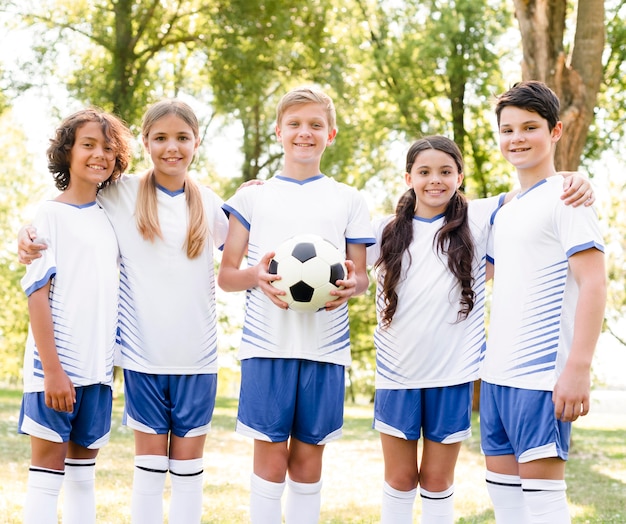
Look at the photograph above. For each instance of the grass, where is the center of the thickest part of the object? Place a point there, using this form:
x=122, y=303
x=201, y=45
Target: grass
x=596, y=474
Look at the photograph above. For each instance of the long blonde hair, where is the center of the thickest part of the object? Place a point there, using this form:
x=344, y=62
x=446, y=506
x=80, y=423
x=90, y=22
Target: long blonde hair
x=146, y=209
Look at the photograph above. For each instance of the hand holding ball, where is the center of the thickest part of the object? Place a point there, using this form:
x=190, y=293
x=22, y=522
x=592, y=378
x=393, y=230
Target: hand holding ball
x=308, y=266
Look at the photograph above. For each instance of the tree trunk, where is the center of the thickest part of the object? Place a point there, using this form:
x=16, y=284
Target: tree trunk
x=576, y=79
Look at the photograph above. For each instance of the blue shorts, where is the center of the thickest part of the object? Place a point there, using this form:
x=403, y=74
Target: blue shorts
x=442, y=414
x=158, y=404
x=280, y=398
x=89, y=425
x=521, y=422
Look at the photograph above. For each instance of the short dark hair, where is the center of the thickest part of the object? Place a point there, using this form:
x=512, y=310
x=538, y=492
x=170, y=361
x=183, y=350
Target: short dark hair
x=534, y=96
x=114, y=130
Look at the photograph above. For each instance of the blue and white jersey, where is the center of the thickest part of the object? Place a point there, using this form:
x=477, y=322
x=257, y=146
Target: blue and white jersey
x=81, y=263
x=167, y=317
x=273, y=212
x=425, y=345
x=534, y=292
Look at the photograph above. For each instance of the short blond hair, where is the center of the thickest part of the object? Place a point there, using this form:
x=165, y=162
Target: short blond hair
x=307, y=95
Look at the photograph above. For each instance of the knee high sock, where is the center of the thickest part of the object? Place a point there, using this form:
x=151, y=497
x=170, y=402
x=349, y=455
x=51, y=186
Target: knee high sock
x=42, y=495
x=397, y=506
x=546, y=501
x=148, y=484
x=438, y=507
x=79, y=488
x=303, y=502
x=187, y=479
x=507, y=498
x=265, y=507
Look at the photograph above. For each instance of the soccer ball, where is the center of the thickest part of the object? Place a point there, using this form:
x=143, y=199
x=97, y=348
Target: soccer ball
x=308, y=266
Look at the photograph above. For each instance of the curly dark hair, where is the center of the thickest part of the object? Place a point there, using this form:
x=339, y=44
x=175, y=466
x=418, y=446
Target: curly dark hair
x=454, y=239
x=115, y=131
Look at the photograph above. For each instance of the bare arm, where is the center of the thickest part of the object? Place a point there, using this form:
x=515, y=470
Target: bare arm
x=231, y=277
x=58, y=388
x=572, y=390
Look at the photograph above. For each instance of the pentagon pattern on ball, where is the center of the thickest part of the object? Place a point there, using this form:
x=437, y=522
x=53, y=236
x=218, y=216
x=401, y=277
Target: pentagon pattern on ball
x=308, y=266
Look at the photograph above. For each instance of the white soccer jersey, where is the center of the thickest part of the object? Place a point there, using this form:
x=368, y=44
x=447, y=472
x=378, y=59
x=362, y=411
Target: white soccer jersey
x=167, y=319
x=82, y=264
x=534, y=293
x=425, y=346
x=273, y=212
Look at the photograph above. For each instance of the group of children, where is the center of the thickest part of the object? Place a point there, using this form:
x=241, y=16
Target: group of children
x=145, y=300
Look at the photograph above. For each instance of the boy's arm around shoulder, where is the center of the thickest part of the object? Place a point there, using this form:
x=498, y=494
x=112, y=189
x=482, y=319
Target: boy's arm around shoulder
x=572, y=390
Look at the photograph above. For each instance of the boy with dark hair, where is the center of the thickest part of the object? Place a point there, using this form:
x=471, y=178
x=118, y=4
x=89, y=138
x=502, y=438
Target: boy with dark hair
x=548, y=305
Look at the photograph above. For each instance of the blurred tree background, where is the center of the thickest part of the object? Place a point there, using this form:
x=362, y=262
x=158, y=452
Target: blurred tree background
x=397, y=70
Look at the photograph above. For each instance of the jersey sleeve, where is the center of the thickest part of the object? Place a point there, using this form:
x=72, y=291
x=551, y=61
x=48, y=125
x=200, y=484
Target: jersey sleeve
x=578, y=228
x=373, y=250
x=239, y=204
x=42, y=269
x=359, y=229
x=218, y=220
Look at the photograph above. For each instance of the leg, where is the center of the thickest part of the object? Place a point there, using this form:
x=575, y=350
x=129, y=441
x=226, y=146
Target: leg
x=401, y=478
x=79, y=502
x=543, y=487
x=151, y=465
x=436, y=479
x=304, y=496
x=268, y=481
x=186, y=475
x=505, y=489
x=45, y=478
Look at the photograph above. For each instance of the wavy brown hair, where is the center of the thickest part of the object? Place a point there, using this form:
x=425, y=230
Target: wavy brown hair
x=454, y=239
x=115, y=133
x=146, y=209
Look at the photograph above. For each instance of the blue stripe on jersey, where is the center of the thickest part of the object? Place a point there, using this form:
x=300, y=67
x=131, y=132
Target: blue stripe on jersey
x=538, y=345
x=368, y=241
x=584, y=247
x=41, y=282
x=299, y=182
x=228, y=210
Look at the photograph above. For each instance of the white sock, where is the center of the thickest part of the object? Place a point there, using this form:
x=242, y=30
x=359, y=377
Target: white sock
x=507, y=498
x=437, y=506
x=148, y=484
x=42, y=495
x=546, y=501
x=79, y=488
x=187, y=479
x=397, y=506
x=265, y=507
x=303, y=502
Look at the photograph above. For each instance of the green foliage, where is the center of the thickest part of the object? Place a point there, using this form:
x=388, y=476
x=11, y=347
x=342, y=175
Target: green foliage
x=396, y=71
x=607, y=132
x=19, y=188
x=124, y=54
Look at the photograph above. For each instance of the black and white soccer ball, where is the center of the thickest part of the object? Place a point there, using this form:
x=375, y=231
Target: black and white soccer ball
x=309, y=266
